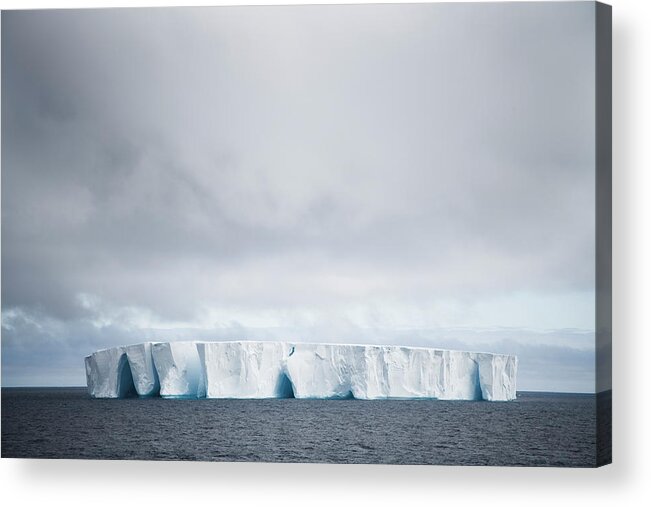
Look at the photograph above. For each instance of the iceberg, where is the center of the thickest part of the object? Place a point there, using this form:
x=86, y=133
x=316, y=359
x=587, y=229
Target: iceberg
x=258, y=370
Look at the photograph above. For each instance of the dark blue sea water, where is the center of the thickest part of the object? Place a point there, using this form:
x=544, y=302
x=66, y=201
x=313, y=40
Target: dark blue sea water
x=538, y=429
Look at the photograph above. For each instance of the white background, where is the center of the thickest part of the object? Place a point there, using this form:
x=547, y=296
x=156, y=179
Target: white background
x=627, y=481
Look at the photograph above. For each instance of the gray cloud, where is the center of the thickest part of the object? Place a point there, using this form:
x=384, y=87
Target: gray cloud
x=301, y=163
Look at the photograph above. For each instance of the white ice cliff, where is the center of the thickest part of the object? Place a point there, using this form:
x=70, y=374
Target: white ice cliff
x=245, y=369
x=143, y=371
x=179, y=370
x=251, y=369
x=108, y=374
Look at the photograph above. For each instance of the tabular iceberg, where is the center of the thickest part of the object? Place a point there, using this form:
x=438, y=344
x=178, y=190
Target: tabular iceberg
x=251, y=369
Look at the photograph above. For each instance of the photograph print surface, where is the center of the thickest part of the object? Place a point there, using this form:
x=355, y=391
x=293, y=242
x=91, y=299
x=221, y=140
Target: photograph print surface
x=342, y=234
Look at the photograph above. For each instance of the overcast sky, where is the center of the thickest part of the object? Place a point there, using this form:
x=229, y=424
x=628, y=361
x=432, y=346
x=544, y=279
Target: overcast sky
x=418, y=175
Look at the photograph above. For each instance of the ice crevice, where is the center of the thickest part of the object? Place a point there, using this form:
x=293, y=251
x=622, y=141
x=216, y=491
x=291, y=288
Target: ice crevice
x=258, y=370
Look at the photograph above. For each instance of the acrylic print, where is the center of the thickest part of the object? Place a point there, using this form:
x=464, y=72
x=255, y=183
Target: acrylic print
x=341, y=234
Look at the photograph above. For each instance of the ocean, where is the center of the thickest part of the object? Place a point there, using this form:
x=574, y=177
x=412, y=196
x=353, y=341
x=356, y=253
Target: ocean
x=537, y=429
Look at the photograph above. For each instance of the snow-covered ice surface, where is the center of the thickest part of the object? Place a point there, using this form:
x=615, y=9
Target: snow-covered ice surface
x=253, y=369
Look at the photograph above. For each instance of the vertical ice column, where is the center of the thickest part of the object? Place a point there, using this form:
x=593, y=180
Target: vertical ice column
x=145, y=377
x=413, y=372
x=393, y=372
x=179, y=370
x=497, y=374
x=108, y=374
x=245, y=369
x=319, y=370
x=460, y=376
x=369, y=373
